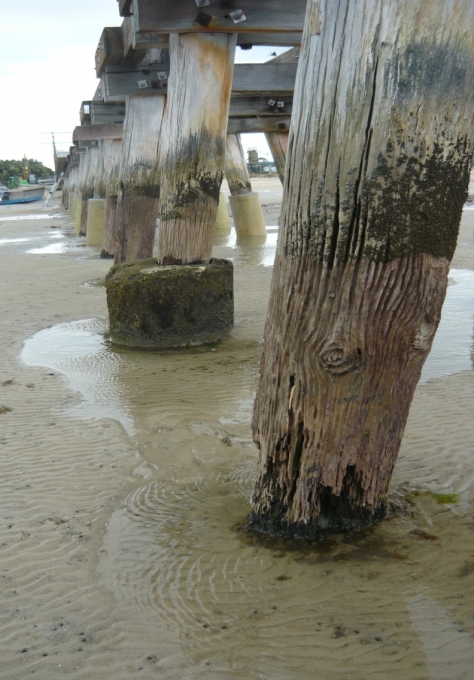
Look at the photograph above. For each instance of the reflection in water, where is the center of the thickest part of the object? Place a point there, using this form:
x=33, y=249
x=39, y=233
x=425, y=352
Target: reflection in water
x=250, y=249
x=57, y=248
x=80, y=351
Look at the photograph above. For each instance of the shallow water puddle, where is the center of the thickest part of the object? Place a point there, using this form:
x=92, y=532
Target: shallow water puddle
x=62, y=246
x=5, y=241
x=250, y=250
x=80, y=352
x=15, y=218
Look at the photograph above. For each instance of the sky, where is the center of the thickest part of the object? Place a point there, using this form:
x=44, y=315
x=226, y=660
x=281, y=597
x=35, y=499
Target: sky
x=47, y=69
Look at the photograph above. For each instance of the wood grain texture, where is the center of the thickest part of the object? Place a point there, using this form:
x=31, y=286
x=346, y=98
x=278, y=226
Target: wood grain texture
x=182, y=16
x=267, y=80
x=125, y=7
x=108, y=187
x=377, y=173
x=236, y=171
x=140, y=42
x=138, y=197
x=193, y=145
x=108, y=240
x=88, y=172
x=109, y=50
x=258, y=124
x=278, y=144
x=88, y=133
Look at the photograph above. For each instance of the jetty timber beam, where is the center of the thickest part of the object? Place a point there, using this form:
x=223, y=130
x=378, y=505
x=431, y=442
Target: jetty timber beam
x=270, y=79
x=260, y=21
x=245, y=115
x=90, y=133
x=378, y=166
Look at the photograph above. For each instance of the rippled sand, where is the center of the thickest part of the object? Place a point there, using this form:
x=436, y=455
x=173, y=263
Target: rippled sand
x=126, y=479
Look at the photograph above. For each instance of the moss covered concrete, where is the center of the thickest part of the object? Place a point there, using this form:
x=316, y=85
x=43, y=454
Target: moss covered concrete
x=156, y=306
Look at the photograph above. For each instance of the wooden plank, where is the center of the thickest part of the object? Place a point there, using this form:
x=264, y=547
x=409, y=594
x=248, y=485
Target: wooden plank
x=88, y=133
x=107, y=112
x=245, y=107
x=94, y=112
x=140, y=42
x=125, y=8
x=109, y=50
x=85, y=113
x=272, y=80
x=183, y=16
x=236, y=126
x=290, y=39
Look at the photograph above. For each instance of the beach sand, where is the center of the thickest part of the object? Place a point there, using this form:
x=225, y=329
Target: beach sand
x=126, y=477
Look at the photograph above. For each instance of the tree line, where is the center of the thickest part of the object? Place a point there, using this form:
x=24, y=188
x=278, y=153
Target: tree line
x=14, y=168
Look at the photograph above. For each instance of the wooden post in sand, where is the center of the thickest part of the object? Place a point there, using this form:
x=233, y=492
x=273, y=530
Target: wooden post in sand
x=191, y=302
x=71, y=187
x=193, y=144
x=138, y=197
x=378, y=166
x=245, y=204
x=88, y=174
x=112, y=154
x=278, y=143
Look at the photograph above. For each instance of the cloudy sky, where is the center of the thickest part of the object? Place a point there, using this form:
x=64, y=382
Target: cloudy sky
x=47, y=69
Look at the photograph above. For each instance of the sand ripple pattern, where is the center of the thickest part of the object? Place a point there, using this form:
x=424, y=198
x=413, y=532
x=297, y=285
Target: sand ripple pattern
x=355, y=606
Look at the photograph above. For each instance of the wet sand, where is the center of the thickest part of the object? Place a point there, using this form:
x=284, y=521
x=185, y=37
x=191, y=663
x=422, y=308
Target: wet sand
x=126, y=478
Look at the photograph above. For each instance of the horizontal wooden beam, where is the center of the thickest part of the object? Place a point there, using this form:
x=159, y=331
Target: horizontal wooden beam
x=102, y=113
x=238, y=125
x=99, y=113
x=272, y=79
x=88, y=133
x=121, y=44
x=125, y=8
x=244, y=107
x=141, y=42
x=222, y=16
x=109, y=50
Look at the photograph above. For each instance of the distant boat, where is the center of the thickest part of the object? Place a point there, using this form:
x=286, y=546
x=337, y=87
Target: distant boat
x=24, y=194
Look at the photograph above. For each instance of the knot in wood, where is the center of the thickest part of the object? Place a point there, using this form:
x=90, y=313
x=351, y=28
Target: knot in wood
x=340, y=360
x=421, y=342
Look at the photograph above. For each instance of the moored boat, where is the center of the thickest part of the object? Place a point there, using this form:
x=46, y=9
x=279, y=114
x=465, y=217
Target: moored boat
x=24, y=194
